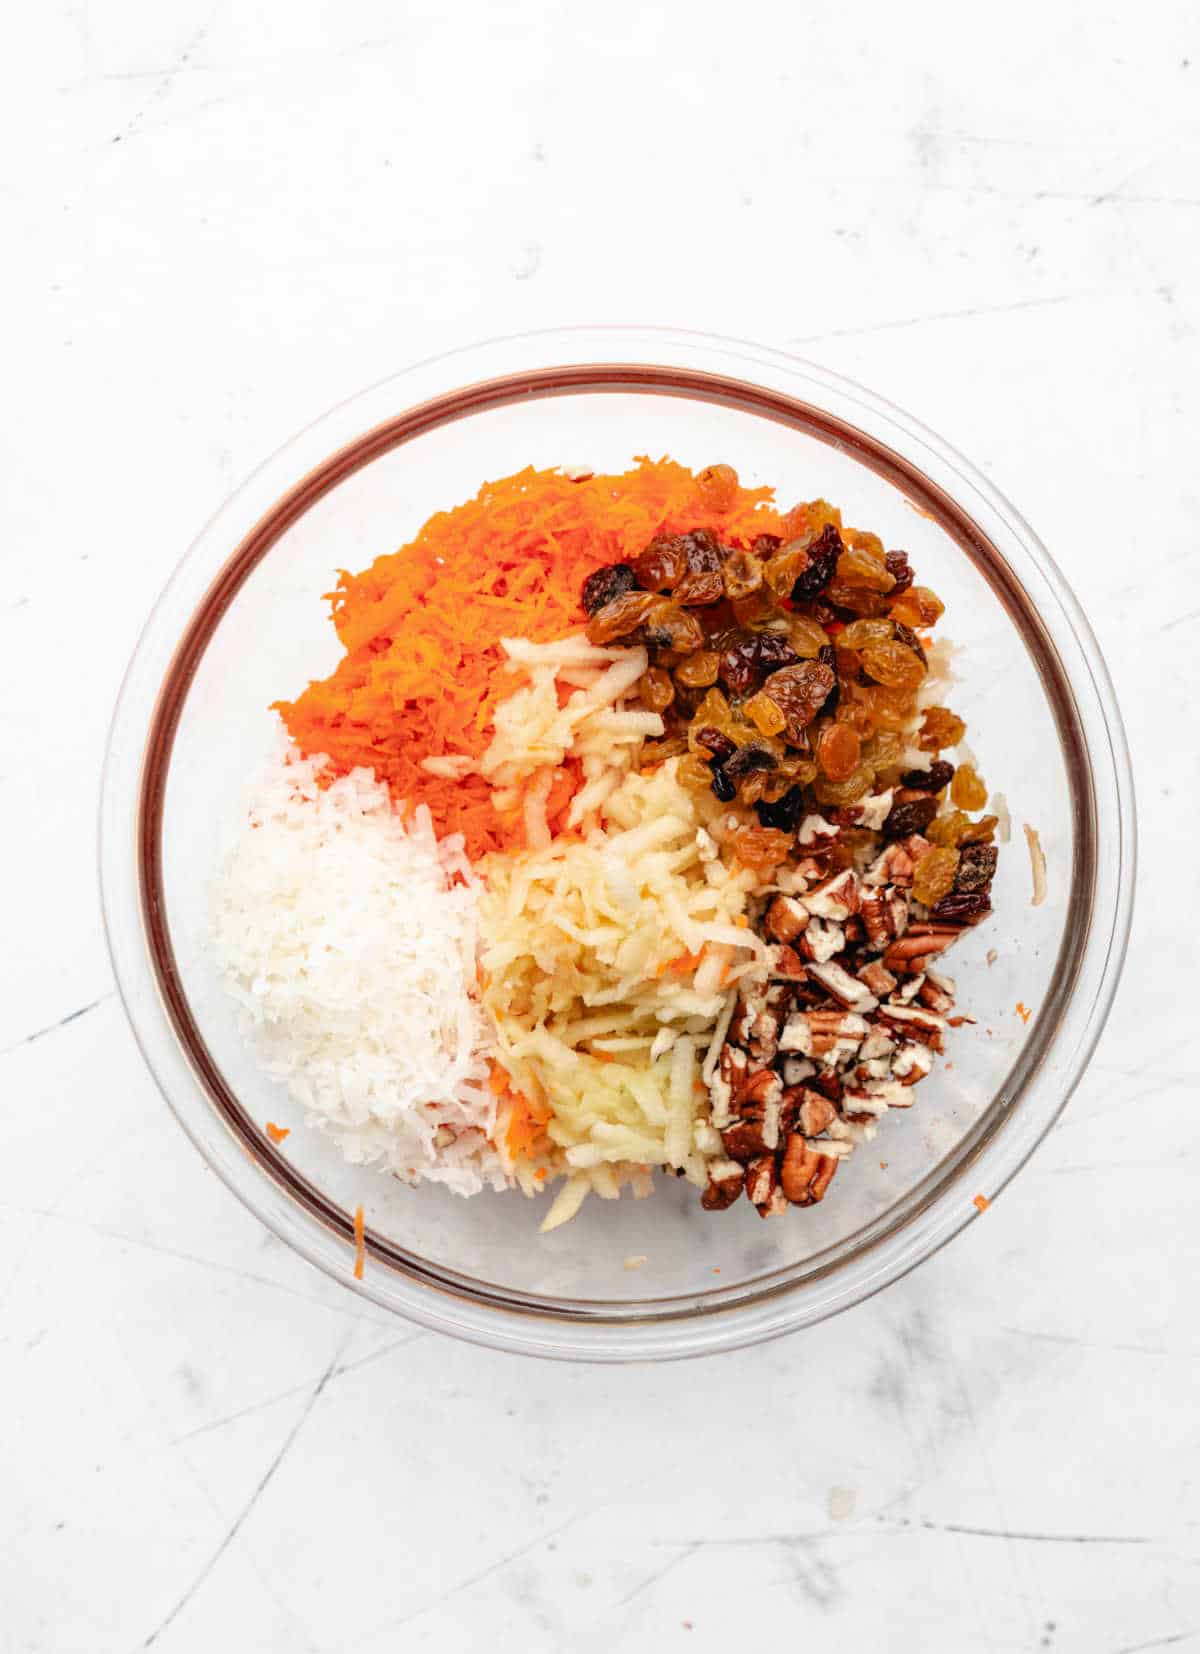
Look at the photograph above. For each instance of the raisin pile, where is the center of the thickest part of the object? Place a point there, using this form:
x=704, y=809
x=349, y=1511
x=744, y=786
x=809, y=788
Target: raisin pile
x=800, y=653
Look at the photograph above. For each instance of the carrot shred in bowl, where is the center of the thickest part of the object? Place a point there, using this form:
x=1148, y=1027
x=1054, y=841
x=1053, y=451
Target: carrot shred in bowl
x=422, y=626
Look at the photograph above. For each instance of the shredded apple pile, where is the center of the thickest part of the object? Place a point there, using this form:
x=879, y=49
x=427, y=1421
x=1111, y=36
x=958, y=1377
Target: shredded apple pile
x=620, y=839
x=421, y=627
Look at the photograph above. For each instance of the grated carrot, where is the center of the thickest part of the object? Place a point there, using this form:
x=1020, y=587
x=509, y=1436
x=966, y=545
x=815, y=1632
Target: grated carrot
x=1023, y=1011
x=982, y=1202
x=359, y=1247
x=422, y=626
x=277, y=1133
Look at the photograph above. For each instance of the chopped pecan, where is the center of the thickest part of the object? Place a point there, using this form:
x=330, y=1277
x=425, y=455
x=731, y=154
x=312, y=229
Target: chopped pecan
x=894, y=866
x=910, y=952
x=806, y=1173
x=796, y=1070
x=915, y=1022
x=822, y=941
x=935, y=998
x=836, y=898
x=878, y=979
x=835, y=979
x=828, y=1084
x=726, y=1180
x=785, y=962
x=786, y=918
x=732, y=1067
x=762, y=1185
x=911, y=1063
x=811, y=1112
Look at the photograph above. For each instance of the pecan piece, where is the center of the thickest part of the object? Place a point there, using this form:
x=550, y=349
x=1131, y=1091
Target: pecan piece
x=806, y=1173
x=786, y=918
x=911, y=951
x=762, y=1186
x=726, y=1180
x=822, y=941
x=836, y=899
x=878, y=980
x=836, y=980
x=810, y=1111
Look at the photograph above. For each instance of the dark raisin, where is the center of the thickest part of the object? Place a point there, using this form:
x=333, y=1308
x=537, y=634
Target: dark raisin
x=722, y=786
x=610, y=582
x=912, y=817
x=703, y=551
x=785, y=814
x=773, y=650
x=823, y=613
x=714, y=742
x=827, y=655
x=897, y=565
x=962, y=907
x=822, y=565
x=748, y=759
x=932, y=780
x=976, y=868
x=906, y=636
x=766, y=545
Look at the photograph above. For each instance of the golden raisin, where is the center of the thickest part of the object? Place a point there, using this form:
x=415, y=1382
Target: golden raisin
x=884, y=750
x=742, y=573
x=800, y=692
x=893, y=664
x=757, y=610
x=717, y=486
x=806, y=637
x=918, y=606
x=861, y=540
x=761, y=848
x=656, y=689
x=855, y=786
x=948, y=829
x=838, y=751
x=967, y=790
x=693, y=772
x=892, y=709
x=982, y=831
x=810, y=519
x=766, y=716
x=940, y=729
x=861, y=632
x=858, y=599
x=933, y=876
x=620, y=617
x=860, y=566
x=699, y=671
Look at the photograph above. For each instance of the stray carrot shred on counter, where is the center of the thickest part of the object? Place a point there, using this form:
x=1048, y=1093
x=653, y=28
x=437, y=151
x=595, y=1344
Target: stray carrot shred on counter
x=360, y=1251
x=1023, y=1011
x=982, y=1202
x=277, y=1133
x=422, y=626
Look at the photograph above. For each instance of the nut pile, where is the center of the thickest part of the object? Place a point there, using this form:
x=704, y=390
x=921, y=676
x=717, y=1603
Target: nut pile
x=850, y=1016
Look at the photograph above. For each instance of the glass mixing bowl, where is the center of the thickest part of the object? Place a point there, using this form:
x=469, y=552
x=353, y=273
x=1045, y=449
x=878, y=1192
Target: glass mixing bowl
x=242, y=623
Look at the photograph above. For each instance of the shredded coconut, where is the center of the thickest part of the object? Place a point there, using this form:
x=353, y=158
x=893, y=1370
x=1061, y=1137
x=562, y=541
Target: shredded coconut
x=347, y=935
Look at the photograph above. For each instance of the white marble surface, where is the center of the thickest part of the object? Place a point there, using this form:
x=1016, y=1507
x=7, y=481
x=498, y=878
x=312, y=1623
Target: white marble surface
x=221, y=219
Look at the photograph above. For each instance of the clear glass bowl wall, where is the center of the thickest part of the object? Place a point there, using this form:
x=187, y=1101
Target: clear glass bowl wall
x=243, y=624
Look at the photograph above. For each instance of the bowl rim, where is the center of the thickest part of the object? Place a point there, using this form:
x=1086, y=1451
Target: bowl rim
x=665, y=362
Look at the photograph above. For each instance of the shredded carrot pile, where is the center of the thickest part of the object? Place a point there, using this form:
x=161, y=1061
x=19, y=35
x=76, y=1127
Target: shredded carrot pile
x=360, y=1251
x=421, y=627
